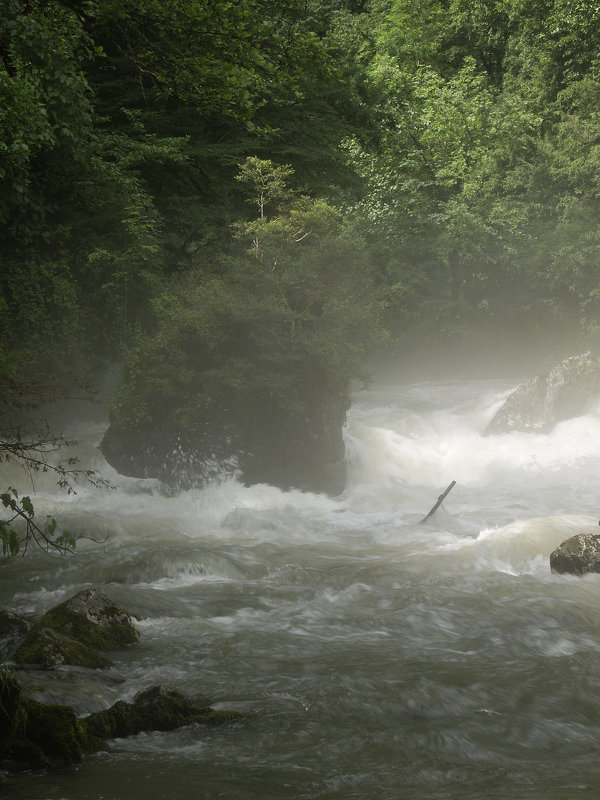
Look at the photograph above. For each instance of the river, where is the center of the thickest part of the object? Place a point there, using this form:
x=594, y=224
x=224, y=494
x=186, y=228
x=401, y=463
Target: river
x=375, y=657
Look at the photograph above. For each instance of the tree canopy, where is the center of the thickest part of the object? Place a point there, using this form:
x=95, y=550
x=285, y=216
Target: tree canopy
x=288, y=183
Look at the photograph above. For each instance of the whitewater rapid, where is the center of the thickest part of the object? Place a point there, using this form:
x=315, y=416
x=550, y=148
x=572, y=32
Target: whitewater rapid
x=376, y=657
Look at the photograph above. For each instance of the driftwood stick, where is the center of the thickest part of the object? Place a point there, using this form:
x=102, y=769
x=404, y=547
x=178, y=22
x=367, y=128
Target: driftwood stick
x=439, y=502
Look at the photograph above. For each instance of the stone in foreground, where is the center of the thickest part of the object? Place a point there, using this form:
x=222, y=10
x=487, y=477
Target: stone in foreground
x=36, y=735
x=578, y=555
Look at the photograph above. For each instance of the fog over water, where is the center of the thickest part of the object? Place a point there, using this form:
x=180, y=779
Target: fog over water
x=376, y=657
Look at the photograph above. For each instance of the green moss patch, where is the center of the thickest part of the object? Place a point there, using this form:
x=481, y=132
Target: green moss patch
x=50, y=648
x=91, y=618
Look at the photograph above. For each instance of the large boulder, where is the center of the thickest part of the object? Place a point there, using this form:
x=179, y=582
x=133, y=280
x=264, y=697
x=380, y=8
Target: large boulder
x=566, y=391
x=577, y=555
x=262, y=445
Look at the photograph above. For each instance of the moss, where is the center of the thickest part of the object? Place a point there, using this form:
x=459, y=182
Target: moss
x=46, y=646
x=91, y=618
x=35, y=735
x=56, y=730
x=155, y=709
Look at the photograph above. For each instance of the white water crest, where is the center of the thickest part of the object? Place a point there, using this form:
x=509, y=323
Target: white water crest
x=376, y=657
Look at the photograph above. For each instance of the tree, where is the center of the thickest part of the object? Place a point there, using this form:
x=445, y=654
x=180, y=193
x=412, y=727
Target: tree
x=255, y=362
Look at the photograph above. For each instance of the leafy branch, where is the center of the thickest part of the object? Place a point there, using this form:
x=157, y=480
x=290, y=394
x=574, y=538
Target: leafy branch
x=21, y=527
x=21, y=508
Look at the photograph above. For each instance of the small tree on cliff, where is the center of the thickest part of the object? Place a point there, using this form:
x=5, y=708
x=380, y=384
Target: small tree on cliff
x=255, y=360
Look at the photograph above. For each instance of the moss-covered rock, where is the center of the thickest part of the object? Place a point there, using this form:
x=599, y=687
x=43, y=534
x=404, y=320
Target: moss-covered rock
x=47, y=647
x=91, y=618
x=56, y=731
x=37, y=735
x=155, y=709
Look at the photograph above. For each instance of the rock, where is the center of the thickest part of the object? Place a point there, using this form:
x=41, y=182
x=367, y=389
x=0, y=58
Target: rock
x=578, y=555
x=566, y=391
x=47, y=647
x=155, y=709
x=37, y=735
x=270, y=445
x=93, y=619
x=70, y=632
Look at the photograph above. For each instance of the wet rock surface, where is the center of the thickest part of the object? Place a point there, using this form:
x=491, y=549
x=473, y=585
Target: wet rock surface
x=566, y=391
x=36, y=735
x=73, y=631
x=47, y=647
x=155, y=709
x=269, y=446
x=577, y=555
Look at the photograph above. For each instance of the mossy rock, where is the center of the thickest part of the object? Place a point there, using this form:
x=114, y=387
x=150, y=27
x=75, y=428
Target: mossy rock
x=91, y=618
x=155, y=709
x=36, y=735
x=55, y=731
x=50, y=648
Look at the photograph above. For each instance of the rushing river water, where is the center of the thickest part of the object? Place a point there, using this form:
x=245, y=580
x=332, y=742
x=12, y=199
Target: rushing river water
x=376, y=657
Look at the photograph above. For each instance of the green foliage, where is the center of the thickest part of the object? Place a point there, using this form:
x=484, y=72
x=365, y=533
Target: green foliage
x=45, y=535
x=284, y=327
x=437, y=160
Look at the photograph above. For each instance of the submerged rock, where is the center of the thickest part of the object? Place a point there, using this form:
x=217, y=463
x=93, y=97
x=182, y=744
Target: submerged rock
x=577, y=555
x=36, y=735
x=566, y=391
x=155, y=709
x=70, y=632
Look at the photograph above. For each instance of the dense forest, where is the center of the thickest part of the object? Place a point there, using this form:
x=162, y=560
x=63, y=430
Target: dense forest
x=240, y=199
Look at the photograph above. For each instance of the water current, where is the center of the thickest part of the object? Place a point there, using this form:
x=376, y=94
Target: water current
x=375, y=657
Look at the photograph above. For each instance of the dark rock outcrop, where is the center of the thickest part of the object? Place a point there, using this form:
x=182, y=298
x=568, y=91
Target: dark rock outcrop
x=269, y=446
x=155, y=709
x=71, y=632
x=566, y=391
x=577, y=555
x=36, y=735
